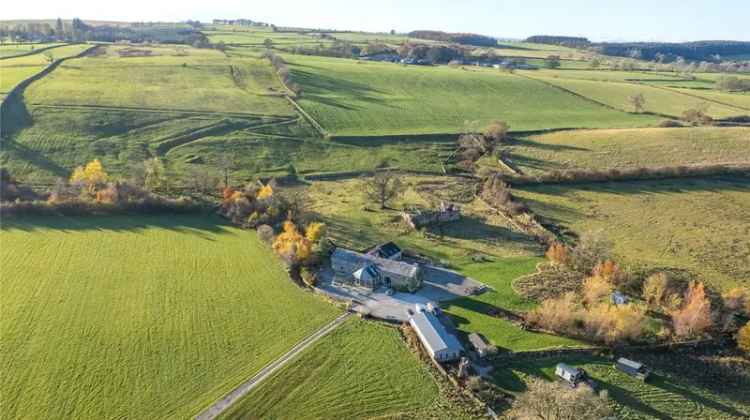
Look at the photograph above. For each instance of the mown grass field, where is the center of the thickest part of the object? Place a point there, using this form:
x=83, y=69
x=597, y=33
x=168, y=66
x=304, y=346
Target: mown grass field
x=139, y=317
x=354, y=98
x=697, y=225
x=663, y=101
x=682, y=387
x=174, y=78
x=361, y=370
x=629, y=148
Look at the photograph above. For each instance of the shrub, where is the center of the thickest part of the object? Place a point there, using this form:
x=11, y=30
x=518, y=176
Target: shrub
x=596, y=289
x=670, y=124
x=614, y=323
x=557, y=253
x=736, y=300
x=558, y=314
x=552, y=400
x=694, y=317
x=610, y=272
x=743, y=339
x=308, y=277
x=265, y=233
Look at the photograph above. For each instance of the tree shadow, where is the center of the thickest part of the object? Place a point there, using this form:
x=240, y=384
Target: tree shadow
x=525, y=142
x=203, y=226
x=319, y=87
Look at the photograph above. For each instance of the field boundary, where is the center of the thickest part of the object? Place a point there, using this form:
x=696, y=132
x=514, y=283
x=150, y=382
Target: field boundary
x=319, y=128
x=162, y=110
x=240, y=391
x=703, y=98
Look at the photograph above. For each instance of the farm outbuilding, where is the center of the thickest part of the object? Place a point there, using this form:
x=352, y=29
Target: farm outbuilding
x=479, y=344
x=437, y=341
x=389, y=251
x=619, y=298
x=633, y=368
x=570, y=374
x=372, y=271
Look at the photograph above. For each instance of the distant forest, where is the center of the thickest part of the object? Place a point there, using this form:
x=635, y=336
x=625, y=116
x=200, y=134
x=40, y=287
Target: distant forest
x=458, y=38
x=665, y=52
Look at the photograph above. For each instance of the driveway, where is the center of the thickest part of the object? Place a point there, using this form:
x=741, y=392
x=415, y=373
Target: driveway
x=439, y=285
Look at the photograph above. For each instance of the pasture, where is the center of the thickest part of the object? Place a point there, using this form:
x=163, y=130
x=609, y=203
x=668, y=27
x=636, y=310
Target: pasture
x=12, y=50
x=659, y=100
x=13, y=70
x=630, y=148
x=694, y=225
x=355, y=98
x=172, y=78
x=474, y=314
x=361, y=370
x=684, y=386
x=139, y=317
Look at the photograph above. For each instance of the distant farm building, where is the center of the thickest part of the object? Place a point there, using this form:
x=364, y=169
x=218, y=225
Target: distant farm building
x=618, y=298
x=441, y=345
x=389, y=251
x=372, y=271
x=419, y=218
x=633, y=368
x=482, y=347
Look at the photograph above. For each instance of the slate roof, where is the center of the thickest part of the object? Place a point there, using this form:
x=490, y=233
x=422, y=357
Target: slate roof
x=386, y=250
x=434, y=334
x=384, y=265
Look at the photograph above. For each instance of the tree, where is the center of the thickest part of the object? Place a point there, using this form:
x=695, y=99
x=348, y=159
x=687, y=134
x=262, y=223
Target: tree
x=382, y=187
x=544, y=400
x=90, y=176
x=154, y=174
x=265, y=192
x=315, y=231
x=268, y=43
x=637, y=101
x=694, y=317
x=697, y=116
x=595, y=63
x=291, y=245
x=609, y=271
x=743, y=339
x=655, y=289
x=557, y=253
x=596, y=289
x=59, y=30
x=496, y=131
x=227, y=163
x=552, y=61
x=736, y=300
x=592, y=248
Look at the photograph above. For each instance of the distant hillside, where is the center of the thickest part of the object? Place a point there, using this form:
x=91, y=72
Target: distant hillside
x=458, y=38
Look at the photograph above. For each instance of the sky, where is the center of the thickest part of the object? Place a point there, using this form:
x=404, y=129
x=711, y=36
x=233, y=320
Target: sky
x=600, y=20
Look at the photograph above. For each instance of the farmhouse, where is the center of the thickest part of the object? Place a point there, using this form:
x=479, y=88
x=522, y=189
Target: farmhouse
x=372, y=271
x=437, y=341
x=443, y=214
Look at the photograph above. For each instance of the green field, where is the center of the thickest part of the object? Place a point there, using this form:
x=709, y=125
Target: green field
x=139, y=317
x=683, y=387
x=355, y=98
x=11, y=50
x=738, y=100
x=14, y=70
x=658, y=100
x=174, y=78
x=610, y=149
x=698, y=225
x=361, y=370
x=473, y=314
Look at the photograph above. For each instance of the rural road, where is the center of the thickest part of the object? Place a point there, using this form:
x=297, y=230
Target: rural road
x=218, y=407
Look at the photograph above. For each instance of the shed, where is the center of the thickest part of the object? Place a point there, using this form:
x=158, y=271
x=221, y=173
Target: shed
x=479, y=344
x=570, y=374
x=619, y=298
x=441, y=345
x=633, y=368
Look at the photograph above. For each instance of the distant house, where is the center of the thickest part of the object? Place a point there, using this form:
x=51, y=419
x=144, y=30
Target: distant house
x=441, y=345
x=618, y=298
x=418, y=218
x=633, y=368
x=372, y=271
x=388, y=250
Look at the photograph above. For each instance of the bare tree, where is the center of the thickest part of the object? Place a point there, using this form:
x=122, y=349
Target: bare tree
x=638, y=102
x=227, y=164
x=546, y=400
x=382, y=187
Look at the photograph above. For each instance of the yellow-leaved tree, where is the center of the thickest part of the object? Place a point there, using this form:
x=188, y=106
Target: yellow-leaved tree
x=694, y=317
x=743, y=339
x=265, y=191
x=91, y=176
x=315, y=231
x=291, y=245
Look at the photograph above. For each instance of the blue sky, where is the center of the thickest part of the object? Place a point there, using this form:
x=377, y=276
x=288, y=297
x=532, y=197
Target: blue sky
x=644, y=20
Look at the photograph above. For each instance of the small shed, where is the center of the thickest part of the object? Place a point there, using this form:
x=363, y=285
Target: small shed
x=633, y=368
x=481, y=346
x=619, y=298
x=388, y=250
x=570, y=374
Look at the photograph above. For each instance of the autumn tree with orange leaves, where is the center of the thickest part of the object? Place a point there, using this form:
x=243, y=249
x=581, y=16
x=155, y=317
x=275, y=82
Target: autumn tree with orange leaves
x=694, y=317
x=557, y=254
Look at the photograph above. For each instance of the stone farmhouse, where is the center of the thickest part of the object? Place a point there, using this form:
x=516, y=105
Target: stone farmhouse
x=372, y=271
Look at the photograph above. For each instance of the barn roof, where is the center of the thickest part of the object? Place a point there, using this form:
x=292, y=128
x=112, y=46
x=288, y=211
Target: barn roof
x=629, y=363
x=386, y=250
x=433, y=333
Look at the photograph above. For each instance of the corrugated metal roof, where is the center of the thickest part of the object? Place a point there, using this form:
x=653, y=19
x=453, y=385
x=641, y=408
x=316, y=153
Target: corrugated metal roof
x=384, y=265
x=386, y=250
x=629, y=363
x=434, y=335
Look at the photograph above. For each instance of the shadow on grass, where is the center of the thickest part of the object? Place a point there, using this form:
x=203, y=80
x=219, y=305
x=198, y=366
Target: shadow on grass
x=318, y=87
x=204, y=226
